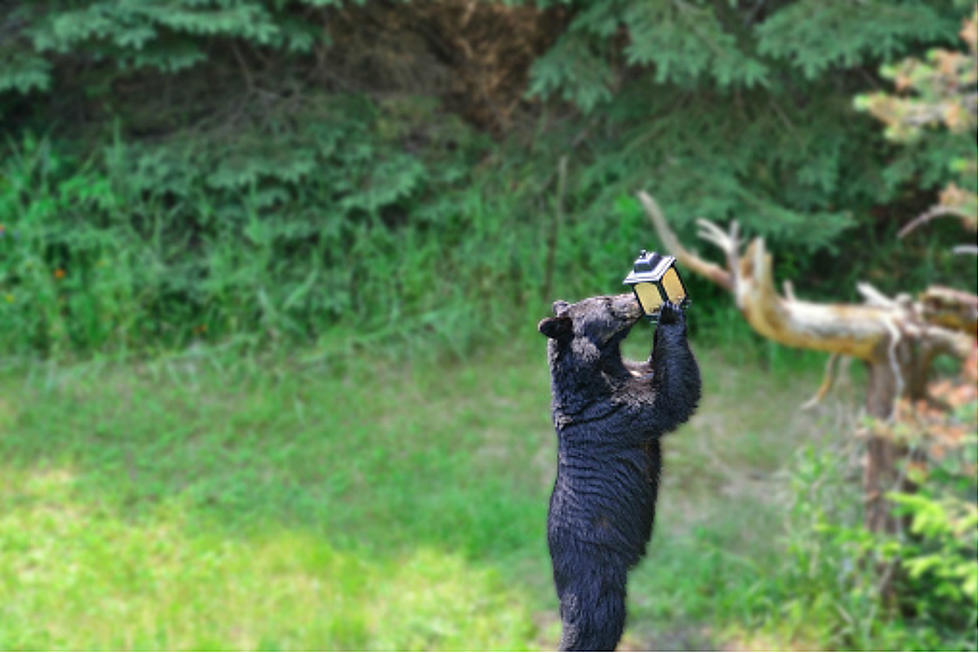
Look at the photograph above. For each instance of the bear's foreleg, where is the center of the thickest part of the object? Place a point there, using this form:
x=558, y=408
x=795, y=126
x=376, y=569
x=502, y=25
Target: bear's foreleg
x=675, y=370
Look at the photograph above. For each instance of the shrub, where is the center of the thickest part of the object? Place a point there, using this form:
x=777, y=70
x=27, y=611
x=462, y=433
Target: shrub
x=846, y=587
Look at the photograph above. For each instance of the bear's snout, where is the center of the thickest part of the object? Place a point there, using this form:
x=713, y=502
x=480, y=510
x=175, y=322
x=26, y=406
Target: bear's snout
x=626, y=307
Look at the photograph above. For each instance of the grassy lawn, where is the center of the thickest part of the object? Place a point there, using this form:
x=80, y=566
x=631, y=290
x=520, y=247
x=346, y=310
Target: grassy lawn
x=201, y=502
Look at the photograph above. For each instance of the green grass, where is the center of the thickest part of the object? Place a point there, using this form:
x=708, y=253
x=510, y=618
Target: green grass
x=203, y=502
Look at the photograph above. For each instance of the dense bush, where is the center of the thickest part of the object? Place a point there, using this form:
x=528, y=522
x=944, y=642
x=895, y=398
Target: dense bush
x=332, y=171
x=266, y=233
x=849, y=588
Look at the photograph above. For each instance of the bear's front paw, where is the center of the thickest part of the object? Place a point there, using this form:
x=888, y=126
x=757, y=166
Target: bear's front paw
x=671, y=313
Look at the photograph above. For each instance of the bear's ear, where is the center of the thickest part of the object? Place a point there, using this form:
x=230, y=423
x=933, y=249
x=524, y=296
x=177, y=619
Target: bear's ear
x=556, y=327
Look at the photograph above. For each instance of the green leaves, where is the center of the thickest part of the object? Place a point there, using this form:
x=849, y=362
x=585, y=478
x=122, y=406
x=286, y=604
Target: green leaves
x=814, y=36
x=23, y=72
x=838, y=567
x=386, y=182
x=944, y=557
x=248, y=164
x=249, y=160
x=167, y=35
x=744, y=111
x=574, y=71
x=308, y=216
x=131, y=24
x=678, y=41
x=684, y=40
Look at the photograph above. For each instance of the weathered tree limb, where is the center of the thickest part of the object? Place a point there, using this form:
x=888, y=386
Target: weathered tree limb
x=687, y=259
x=825, y=385
x=938, y=211
x=950, y=308
x=856, y=330
x=853, y=330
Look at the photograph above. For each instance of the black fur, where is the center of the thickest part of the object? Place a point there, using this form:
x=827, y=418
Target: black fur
x=609, y=414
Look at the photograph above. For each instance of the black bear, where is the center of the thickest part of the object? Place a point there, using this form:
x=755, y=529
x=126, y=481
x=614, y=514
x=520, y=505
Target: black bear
x=609, y=414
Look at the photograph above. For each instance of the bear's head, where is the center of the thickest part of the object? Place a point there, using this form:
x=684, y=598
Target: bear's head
x=589, y=332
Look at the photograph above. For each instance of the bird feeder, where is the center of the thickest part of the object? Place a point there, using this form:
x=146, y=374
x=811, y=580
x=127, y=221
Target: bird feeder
x=655, y=280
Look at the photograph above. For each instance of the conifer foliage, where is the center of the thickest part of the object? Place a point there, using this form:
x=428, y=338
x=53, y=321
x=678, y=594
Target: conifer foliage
x=167, y=35
x=275, y=168
x=741, y=109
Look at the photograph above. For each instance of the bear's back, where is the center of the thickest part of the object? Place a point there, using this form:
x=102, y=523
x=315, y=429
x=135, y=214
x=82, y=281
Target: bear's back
x=605, y=492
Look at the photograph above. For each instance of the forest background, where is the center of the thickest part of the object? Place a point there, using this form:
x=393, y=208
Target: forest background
x=269, y=275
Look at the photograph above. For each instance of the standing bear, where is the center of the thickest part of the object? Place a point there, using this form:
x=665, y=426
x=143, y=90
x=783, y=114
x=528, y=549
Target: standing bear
x=609, y=414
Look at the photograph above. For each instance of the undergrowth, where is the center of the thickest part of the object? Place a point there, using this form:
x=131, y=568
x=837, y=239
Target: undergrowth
x=843, y=587
x=136, y=249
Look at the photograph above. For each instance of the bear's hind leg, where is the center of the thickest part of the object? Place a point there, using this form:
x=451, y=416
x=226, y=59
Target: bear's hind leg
x=593, y=607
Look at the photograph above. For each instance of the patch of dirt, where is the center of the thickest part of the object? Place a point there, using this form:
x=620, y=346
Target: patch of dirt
x=679, y=638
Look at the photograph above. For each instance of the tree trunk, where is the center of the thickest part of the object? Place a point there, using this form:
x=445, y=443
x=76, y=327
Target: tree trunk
x=882, y=456
x=882, y=466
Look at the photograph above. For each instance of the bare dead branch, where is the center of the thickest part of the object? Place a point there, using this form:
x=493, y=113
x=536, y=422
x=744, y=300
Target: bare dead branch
x=938, y=211
x=825, y=384
x=874, y=297
x=949, y=308
x=868, y=331
x=788, y=291
x=688, y=259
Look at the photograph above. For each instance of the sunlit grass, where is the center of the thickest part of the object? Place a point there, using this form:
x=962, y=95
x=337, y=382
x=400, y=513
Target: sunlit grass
x=76, y=576
x=206, y=502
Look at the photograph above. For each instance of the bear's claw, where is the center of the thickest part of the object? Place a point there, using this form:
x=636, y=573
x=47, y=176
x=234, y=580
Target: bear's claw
x=670, y=313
